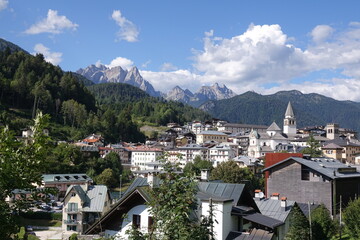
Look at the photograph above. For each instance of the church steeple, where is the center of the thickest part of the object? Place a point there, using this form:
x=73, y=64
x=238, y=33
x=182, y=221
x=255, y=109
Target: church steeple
x=289, y=111
x=289, y=121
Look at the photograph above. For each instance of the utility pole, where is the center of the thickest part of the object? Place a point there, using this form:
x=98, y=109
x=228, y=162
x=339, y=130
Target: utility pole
x=340, y=218
x=310, y=220
x=120, y=186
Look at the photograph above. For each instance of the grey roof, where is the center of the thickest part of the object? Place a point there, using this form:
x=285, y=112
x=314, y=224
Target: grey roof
x=222, y=190
x=328, y=167
x=331, y=146
x=272, y=208
x=79, y=190
x=289, y=111
x=304, y=207
x=273, y=127
x=192, y=146
x=255, y=234
x=70, y=177
x=263, y=220
x=213, y=133
x=239, y=125
x=93, y=198
x=248, y=161
x=97, y=196
x=344, y=142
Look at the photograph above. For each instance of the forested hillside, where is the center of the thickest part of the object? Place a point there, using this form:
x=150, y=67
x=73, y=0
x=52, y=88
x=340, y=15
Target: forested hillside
x=309, y=109
x=78, y=107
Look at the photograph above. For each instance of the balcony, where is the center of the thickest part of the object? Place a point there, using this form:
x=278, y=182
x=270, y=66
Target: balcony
x=72, y=210
x=71, y=222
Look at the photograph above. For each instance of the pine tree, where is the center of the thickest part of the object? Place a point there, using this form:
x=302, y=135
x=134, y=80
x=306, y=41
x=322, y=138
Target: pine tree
x=299, y=225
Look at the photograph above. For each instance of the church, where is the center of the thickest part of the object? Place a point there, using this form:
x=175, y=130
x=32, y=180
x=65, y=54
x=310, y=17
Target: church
x=274, y=139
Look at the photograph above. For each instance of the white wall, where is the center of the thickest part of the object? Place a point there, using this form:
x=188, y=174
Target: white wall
x=141, y=210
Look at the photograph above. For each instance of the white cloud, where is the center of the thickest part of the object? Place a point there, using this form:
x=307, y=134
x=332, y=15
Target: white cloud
x=165, y=67
x=52, y=57
x=145, y=64
x=53, y=23
x=337, y=88
x=321, y=32
x=3, y=4
x=122, y=62
x=164, y=81
x=128, y=30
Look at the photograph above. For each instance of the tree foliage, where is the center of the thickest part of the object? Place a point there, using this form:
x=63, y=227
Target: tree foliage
x=21, y=166
x=313, y=147
x=172, y=207
x=299, y=225
x=351, y=219
x=194, y=168
x=322, y=226
x=230, y=172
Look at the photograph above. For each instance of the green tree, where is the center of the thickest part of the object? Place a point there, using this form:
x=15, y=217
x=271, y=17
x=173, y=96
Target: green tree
x=299, y=225
x=230, y=172
x=313, y=147
x=108, y=178
x=352, y=220
x=172, y=206
x=194, y=168
x=322, y=226
x=21, y=166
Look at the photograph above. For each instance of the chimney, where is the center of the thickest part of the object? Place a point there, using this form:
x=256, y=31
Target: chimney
x=152, y=179
x=275, y=196
x=259, y=195
x=283, y=203
x=205, y=173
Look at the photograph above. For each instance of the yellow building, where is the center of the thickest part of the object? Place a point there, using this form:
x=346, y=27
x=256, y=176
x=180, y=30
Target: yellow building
x=83, y=205
x=208, y=136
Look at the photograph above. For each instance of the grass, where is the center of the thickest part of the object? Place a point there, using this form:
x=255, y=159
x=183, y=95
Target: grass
x=39, y=222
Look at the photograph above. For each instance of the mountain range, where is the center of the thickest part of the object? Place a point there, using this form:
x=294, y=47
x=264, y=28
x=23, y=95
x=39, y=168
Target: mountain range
x=102, y=74
x=204, y=94
x=310, y=109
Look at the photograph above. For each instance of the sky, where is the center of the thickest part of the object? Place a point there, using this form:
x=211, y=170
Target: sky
x=262, y=46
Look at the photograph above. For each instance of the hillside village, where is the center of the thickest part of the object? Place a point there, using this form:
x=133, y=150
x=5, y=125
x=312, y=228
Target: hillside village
x=277, y=155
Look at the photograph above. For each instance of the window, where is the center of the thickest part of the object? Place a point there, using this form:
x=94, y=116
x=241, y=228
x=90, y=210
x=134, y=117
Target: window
x=150, y=223
x=305, y=173
x=136, y=220
x=73, y=194
x=71, y=228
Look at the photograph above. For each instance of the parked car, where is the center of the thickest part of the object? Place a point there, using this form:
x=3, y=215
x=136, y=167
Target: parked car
x=46, y=207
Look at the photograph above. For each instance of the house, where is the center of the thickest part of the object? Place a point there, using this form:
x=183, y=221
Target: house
x=141, y=155
x=63, y=181
x=314, y=180
x=221, y=153
x=187, y=153
x=236, y=212
x=349, y=149
x=276, y=207
x=332, y=150
x=207, y=136
x=254, y=164
x=244, y=128
x=83, y=205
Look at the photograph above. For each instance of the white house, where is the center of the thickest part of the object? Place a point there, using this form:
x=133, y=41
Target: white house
x=142, y=155
x=235, y=211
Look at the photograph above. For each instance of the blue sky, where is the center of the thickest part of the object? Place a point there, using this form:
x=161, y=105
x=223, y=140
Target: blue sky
x=262, y=46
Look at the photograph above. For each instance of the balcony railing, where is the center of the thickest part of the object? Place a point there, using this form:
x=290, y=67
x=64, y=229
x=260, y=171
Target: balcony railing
x=71, y=221
x=72, y=210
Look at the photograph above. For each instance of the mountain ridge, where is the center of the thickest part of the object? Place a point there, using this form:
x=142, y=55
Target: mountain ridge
x=310, y=109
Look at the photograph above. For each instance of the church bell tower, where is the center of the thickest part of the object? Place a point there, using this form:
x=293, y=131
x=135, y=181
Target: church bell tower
x=289, y=121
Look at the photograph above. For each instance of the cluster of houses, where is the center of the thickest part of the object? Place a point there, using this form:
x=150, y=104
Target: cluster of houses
x=290, y=177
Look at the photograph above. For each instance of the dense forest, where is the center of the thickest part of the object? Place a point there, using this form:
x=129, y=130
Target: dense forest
x=77, y=107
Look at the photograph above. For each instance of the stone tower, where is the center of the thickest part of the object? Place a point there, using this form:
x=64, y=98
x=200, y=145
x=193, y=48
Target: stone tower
x=289, y=121
x=332, y=130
